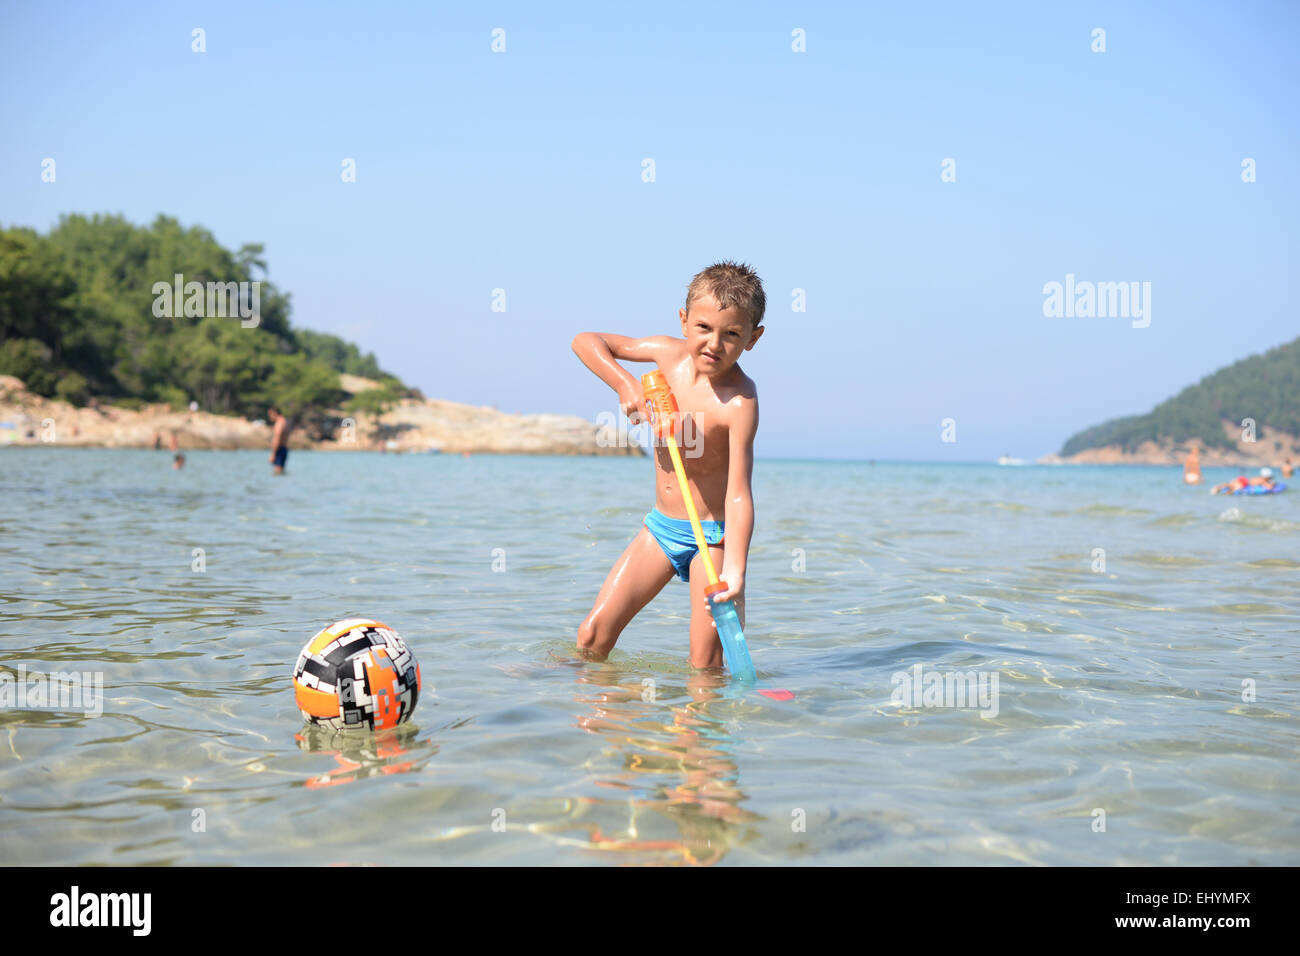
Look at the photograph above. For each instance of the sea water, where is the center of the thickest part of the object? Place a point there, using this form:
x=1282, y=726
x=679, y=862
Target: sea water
x=1036, y=665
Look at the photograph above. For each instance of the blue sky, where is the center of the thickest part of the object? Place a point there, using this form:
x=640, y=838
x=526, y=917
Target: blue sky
x=522, y=170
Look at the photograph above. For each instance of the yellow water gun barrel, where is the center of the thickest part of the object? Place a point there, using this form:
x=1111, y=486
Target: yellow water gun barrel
x=662, y=407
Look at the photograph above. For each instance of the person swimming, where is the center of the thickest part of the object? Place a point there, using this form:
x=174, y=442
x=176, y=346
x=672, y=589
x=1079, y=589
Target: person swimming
x=1241, y=482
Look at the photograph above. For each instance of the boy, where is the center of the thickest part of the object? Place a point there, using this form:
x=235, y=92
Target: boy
x=719, y=410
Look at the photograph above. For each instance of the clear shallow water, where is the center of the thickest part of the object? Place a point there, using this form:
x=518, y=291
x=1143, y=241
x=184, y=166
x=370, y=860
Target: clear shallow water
x=1118, y=689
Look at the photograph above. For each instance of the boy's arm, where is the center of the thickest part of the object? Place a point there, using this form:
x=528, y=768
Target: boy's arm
x=599, y=351
x=739, y=516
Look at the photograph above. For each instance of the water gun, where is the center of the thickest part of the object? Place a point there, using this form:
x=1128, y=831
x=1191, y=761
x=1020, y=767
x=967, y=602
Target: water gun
x=661, y=407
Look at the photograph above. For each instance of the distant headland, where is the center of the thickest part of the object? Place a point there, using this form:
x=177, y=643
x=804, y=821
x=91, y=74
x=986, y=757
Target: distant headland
x=118, y=335
x=1247, y=413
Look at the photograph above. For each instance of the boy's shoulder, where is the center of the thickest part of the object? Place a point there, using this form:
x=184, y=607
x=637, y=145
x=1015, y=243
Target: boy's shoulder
x=667, y=343
x=743, y=413
x=750, y=388
x=663, y=350
x=743, y=389
x=740, y=401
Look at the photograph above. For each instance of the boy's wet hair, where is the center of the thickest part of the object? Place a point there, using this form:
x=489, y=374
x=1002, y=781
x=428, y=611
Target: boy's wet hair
x=733, y=285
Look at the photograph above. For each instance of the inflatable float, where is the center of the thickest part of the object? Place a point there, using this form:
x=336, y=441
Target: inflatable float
x=1256, y=490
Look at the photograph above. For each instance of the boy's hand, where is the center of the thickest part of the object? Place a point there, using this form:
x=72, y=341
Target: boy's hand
x=631, y=401
x=735, y=581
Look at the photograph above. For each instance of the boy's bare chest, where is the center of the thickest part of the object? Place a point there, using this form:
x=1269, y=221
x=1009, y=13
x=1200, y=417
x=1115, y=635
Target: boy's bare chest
x=704, y=430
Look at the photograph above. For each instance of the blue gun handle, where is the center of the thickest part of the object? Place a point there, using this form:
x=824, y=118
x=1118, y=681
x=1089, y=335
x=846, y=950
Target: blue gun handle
x=734, y=648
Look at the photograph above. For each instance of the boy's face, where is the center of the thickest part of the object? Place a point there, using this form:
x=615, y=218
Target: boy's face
x=716, y=337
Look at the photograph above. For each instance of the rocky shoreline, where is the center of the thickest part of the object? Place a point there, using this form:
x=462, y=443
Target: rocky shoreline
x=1270, y=448
x=425, y=425
x=412, y=425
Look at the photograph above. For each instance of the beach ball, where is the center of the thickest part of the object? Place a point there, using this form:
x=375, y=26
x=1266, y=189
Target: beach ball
x=356, y=674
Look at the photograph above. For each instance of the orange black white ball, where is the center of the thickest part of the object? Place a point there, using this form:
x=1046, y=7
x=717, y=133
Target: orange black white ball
x=356, y=674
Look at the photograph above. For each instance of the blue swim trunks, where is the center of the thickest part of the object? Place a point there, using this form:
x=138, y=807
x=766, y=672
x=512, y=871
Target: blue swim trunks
x=678, y=540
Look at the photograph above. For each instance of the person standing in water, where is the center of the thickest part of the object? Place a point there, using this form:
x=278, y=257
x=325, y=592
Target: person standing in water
x=1192, y=467
x=279, y=440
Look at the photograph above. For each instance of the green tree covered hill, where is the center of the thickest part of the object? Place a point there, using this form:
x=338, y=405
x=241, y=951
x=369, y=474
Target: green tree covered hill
x=1265, y=388
x=78, y=319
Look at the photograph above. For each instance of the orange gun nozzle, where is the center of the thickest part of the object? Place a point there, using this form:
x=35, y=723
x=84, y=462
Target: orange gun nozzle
x=661, y=406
